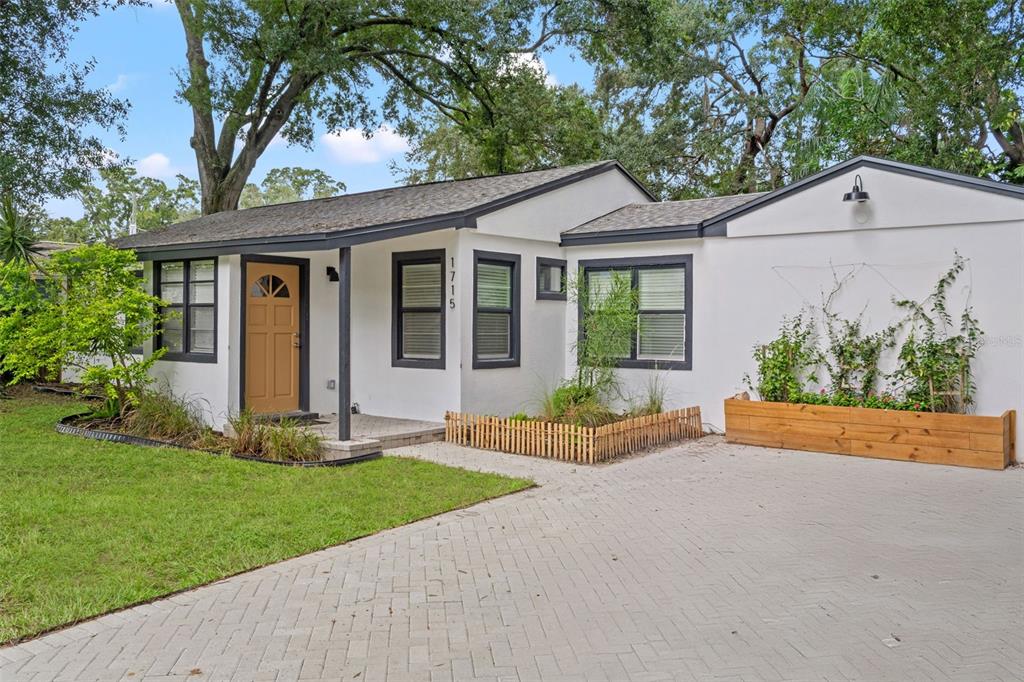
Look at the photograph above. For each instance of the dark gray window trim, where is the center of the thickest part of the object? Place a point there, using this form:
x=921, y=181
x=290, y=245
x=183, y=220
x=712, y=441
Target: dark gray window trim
x=303, y=264
x=550, y=295
x=186, y=314
x=686, y=260
x=140, y=273
x=515, y=260
x=398, y=259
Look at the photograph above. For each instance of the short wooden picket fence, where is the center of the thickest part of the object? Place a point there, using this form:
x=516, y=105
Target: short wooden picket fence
x=568, y=442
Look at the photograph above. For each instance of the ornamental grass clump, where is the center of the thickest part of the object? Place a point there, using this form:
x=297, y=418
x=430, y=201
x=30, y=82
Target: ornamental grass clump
x=285, y=441
x=163, y=416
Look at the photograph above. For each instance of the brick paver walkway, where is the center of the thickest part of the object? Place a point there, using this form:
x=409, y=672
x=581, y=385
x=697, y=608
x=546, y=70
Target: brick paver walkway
x=706, y=561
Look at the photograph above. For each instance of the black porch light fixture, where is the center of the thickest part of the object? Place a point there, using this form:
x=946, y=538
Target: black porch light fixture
x=332, y=273
x=857, y=194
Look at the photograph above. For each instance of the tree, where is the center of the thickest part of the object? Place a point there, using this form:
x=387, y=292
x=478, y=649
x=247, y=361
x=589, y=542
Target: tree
x=522, y=123
x=90, y=314
x=709, y=97
x=46, y=107
x=291, y=183
x=270, y=68
x=108, y=208
x=937, y=82
x=701, y=93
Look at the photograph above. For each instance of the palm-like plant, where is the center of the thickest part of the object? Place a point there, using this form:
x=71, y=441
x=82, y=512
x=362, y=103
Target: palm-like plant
x=17, y=237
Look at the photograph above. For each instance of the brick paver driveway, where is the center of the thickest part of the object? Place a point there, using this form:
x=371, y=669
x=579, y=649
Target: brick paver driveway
x=705, y=561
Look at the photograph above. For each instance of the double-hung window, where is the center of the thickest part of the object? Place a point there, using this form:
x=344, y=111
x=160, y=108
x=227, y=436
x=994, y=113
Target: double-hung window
x=495, y=309
x=664, y=302
x=189, y=287
x=417, y=321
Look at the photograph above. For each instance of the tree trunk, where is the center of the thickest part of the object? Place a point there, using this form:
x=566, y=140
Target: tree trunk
x=219, y=192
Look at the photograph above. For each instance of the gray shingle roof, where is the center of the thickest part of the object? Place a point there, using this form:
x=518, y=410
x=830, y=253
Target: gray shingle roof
x=363, y=210
x=662, y=214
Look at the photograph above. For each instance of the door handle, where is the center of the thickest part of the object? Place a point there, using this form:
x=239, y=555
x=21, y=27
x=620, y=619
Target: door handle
x=296, y=340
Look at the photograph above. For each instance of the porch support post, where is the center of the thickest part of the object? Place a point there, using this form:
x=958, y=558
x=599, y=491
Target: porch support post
x=344, y=343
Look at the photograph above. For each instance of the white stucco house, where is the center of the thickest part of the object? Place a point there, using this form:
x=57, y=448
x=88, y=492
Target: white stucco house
x=412, y=301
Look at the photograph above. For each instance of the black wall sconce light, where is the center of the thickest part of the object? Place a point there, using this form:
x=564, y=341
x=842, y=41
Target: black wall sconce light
x=332, y=273
x=857, y=194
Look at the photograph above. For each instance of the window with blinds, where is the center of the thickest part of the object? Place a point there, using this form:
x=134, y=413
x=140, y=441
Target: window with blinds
x=495, y=310
x=663, y=327
x=661, y=317
x=418, y=327
x=188, y=287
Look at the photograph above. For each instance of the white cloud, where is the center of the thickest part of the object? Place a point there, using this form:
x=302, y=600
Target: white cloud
x=157, y=166
x=351, y=146
x=531, y=60
x=120, y=83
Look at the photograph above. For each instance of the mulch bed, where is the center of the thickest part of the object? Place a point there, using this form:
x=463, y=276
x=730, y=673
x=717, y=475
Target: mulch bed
x=106, y=430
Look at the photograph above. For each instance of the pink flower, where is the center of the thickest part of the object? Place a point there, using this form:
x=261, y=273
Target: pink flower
x=822, y=391
x=917, y=406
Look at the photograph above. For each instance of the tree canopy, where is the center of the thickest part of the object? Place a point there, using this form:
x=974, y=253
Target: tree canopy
x=696, y=97
x=46, y=107
x=270, y=68
x=702, y=97
x=291, y=183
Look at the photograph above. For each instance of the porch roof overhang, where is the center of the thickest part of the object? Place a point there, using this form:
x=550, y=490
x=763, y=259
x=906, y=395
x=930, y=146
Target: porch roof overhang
x=352, y=219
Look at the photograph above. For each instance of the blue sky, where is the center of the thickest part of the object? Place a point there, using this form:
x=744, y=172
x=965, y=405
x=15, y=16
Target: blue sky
x=138, y=51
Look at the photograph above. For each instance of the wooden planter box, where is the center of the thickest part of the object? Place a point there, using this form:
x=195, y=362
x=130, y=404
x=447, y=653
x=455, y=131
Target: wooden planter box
x=935, y=438
x=568, y=442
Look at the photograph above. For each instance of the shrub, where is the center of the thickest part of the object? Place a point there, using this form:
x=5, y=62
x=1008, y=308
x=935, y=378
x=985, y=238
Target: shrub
x=588, y=413
x=89, y=313
x=851, y=356
x=884, y=401
x=786, y=363
x=935, y=358
x=571, y=403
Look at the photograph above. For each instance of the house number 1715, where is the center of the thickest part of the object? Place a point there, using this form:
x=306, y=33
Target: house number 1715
x=451, y=301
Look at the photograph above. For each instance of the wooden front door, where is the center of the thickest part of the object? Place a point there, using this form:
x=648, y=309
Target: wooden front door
x=272, y=339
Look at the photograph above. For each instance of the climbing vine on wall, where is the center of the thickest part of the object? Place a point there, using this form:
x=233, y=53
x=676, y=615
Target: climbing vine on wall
x=933, y=369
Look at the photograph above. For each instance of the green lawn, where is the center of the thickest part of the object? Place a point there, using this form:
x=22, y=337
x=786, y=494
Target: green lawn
x=87, y=527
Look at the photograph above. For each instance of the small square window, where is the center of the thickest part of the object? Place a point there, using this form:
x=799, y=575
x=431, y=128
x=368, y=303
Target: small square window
x=551, y=284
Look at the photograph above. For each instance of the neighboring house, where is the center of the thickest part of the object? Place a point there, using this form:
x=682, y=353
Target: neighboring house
x=449, y=296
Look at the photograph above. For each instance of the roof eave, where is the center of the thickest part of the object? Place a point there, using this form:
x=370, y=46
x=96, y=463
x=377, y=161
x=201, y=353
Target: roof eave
x=643, y=234
x=352, y=237
x=305, y=242
x=717, y=226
